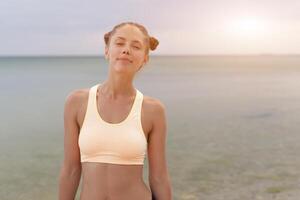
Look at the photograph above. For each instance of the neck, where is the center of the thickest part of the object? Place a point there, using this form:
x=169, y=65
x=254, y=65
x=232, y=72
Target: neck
x=118, y=86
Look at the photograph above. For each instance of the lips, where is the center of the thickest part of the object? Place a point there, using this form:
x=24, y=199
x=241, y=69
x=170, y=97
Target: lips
x=124, y=59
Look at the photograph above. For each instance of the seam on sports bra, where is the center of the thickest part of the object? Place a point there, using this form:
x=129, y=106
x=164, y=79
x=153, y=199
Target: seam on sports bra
x=87, y=110
x=140, y=118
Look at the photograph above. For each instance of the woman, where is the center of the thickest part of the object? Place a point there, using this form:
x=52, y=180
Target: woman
x=110, y=127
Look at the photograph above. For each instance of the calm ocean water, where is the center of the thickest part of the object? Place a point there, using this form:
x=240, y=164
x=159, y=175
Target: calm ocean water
x=233, y=123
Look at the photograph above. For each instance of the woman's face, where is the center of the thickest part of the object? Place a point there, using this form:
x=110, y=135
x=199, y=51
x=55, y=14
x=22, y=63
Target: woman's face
x=126, y=50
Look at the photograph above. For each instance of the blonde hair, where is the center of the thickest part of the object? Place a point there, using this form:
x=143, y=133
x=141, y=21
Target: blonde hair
x=151, y=42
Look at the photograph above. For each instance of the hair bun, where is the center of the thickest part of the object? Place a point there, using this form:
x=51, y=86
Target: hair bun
x=153, y=43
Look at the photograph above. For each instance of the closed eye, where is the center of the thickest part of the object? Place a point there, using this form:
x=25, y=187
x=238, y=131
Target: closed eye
x=136, y=47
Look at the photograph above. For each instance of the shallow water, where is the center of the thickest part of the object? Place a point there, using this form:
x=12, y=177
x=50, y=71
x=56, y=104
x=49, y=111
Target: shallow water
x=233, y=123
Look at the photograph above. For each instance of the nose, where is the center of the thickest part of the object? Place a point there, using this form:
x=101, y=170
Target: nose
x=125, y=50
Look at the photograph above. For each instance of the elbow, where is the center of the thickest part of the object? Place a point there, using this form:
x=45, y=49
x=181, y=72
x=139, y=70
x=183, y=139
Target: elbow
x=71, y=170
x=159, y=179
x=75, y=172
x=68, y=182
x=161, y=188
x=160, y=183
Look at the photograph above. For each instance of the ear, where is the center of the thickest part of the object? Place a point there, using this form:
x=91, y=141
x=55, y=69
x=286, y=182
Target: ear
x=146, y=59
x=106, y=52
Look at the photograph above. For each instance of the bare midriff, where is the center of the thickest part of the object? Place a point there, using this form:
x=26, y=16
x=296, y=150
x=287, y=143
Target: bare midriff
x=105, y=181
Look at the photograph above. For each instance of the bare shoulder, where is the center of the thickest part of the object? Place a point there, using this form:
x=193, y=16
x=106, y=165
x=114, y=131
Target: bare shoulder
x=75, y=100
x=153, y=105
x=77, y=96
x=155, y=110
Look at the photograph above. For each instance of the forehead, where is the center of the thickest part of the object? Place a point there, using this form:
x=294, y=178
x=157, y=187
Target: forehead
x=130, y=33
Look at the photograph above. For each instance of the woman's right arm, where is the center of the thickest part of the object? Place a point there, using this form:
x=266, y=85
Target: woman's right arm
x=70, y=172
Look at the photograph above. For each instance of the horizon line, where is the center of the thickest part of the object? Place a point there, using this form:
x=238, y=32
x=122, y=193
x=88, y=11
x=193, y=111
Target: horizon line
x=155, y=55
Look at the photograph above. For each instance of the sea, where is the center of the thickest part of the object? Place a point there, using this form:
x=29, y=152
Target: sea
x=233, y=123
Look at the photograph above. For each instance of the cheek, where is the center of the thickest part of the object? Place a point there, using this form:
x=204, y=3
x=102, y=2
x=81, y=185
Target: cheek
x=115, y=51
x=140, y=56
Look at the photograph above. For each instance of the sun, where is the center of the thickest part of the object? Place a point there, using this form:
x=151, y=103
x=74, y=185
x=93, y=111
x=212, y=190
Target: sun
x=247, y=27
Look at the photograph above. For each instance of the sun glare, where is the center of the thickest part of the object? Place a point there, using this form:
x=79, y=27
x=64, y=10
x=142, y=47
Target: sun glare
x=247, y=27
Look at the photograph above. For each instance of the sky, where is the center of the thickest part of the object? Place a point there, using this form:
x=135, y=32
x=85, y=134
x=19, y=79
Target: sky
x=183, y=27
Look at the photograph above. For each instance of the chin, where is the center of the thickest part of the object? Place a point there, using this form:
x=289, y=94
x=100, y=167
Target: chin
x=121, y=68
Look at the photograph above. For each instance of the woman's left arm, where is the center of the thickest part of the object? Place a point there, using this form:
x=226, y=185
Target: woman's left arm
x=159, y=179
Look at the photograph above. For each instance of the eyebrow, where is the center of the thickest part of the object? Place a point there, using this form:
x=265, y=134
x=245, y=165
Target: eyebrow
x=125, y=39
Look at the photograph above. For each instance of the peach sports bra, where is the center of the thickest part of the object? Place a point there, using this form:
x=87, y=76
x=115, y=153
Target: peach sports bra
x=116, y=143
